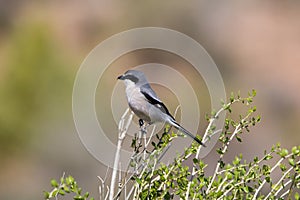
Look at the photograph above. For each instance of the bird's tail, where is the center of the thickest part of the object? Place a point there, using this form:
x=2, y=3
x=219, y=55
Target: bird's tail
x=186, y=132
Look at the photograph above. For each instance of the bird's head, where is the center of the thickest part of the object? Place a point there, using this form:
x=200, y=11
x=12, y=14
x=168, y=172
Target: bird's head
x=133, y=77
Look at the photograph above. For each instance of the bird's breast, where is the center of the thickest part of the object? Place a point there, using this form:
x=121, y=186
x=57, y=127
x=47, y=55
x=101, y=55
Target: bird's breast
x=138, y=103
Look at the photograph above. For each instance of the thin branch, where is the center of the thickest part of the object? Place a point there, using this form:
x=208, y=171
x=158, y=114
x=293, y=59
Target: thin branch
x=236, y=130
x=290, y=189
x=106, y=197
x=233, y=168
x=151, y=135
x=281, y=179
x=60, y=185
x=205, y=138
x=228, y=190
x=176, y=110
x=122, y=134
x=101, y=188
x=221, y=184
x=264, y=181
x=129, y=194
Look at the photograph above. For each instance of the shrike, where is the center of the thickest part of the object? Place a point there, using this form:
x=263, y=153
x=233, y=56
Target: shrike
x=144, y=102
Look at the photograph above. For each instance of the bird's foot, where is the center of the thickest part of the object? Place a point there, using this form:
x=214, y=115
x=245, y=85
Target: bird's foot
x=141, y=123
x=143, y=126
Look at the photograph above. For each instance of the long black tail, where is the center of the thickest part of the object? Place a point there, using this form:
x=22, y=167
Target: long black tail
x=183, y=130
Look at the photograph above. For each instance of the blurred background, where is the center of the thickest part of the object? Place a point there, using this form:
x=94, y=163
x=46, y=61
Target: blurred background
x=42, y=44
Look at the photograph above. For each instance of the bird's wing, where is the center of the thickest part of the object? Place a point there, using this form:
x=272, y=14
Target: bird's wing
x=151, y=96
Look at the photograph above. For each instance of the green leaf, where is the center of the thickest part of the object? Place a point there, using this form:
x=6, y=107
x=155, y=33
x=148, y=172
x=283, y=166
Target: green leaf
x=231, y=97
x=70, y=180
x=219, y=151
x=253, y=92
x=266, y=169
x=278, y=144
x=245, y=189
x=153, y=144
x=167, y=196
x=239, y=139
x=229, y=176
x=46, y=195
x=239, y=94
x=195, y=160
x=139, y=181
x=282, y=167
x=54, y=183
x=291, y=161
x=295, y=150
x=86, y=195
x=268, y=157
x=268, y=179
x=236, y=161
x=79, y=197
x=297, y=196
x=283, y=153
x=61, y=192
x=222, y=164
x=54, y=193
x=258, y=118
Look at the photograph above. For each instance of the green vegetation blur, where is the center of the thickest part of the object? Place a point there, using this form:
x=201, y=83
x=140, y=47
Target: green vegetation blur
x=35, y=81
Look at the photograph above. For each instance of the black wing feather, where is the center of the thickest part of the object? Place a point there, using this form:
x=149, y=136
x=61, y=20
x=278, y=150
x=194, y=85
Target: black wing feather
x=151, y=96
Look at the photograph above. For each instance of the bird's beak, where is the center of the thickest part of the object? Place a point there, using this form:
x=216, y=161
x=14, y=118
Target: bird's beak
x=121, y=77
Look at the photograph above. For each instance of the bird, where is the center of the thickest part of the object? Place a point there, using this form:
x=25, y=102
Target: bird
x=145, y=103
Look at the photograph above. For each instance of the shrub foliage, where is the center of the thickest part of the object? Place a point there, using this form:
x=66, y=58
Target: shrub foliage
x=275, y=175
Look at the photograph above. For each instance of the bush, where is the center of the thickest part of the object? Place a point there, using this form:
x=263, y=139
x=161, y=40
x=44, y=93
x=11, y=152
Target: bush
x=238, y=179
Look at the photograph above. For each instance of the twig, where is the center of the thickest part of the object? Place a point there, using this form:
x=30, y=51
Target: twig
x=231, y=188
x=236, y=130
x=176, y=110
x=290, y=189
x=264, y=181
x=101, y=188
x=129, y=194
x=106, y=196
x=281, y=179
x=204, y=139
x=151, y=135
x=122, y=134
x=60, y=185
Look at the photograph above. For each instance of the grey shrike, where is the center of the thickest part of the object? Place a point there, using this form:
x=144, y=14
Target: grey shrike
x=144, y=102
